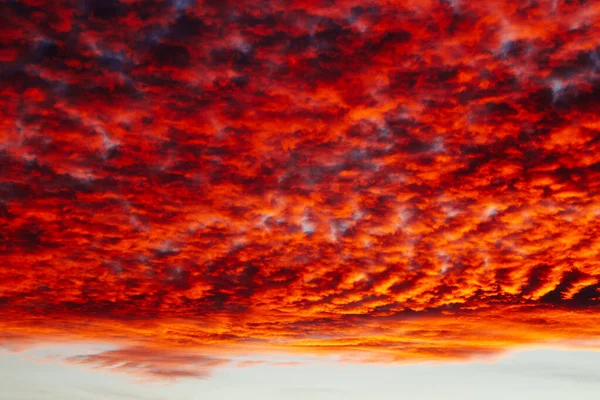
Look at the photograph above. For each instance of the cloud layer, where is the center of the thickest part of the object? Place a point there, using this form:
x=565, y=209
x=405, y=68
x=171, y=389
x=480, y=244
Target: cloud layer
x=405, y=181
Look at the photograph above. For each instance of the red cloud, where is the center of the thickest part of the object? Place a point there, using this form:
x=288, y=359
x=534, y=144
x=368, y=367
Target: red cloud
x=151, y=363
x=386, y=182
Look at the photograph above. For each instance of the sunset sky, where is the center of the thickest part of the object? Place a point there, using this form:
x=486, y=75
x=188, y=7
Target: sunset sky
x=287, y=199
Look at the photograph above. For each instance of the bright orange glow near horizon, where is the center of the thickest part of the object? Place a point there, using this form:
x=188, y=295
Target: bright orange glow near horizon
x=383, y=182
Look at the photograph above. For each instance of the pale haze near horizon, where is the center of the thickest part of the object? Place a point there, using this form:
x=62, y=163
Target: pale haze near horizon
x=524, y=375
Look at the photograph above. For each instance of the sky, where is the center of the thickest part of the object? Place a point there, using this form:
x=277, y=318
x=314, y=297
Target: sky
x=542, y=373
x=339, y=195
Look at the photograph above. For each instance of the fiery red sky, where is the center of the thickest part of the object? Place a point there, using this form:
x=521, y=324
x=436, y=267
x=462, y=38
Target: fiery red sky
x=381, y=181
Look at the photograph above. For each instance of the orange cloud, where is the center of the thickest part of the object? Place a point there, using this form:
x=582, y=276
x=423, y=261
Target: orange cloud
x=382, y=182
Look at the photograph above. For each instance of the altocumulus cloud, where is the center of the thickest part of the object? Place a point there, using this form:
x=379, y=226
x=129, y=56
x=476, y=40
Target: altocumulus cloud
x=382, y=182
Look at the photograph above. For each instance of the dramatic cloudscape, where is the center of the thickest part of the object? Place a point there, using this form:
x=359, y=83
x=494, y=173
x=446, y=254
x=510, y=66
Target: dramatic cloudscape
x=208, y=184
